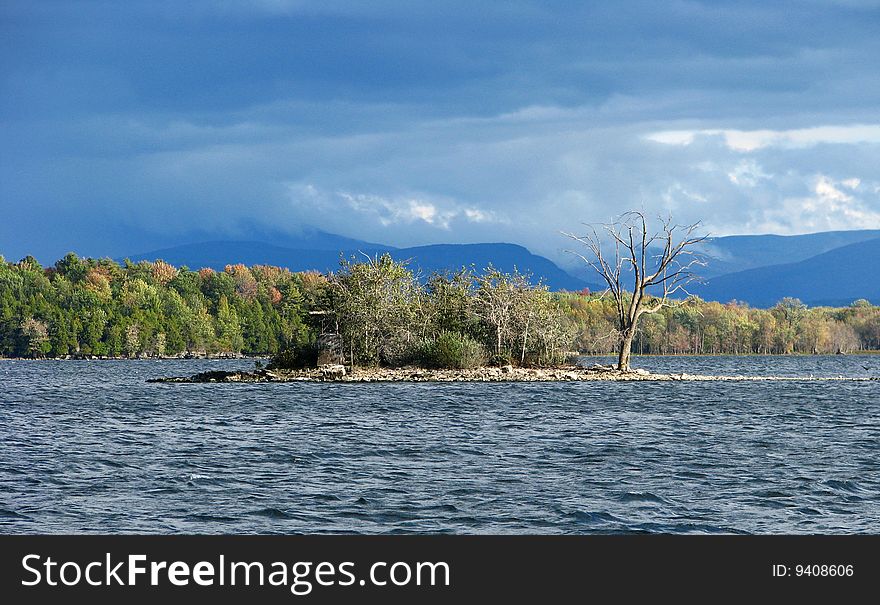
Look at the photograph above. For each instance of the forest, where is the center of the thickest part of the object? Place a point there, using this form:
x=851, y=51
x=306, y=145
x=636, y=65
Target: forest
x=384, y=312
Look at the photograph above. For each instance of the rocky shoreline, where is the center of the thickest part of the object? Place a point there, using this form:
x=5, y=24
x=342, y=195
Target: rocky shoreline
x=174, y=357
x=337, y=373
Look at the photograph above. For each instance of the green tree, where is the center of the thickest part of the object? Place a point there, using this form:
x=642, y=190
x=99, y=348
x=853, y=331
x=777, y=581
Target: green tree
x=229, y=335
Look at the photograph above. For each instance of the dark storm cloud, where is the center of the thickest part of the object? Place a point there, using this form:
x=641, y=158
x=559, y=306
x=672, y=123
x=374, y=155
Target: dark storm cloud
x=128, y=124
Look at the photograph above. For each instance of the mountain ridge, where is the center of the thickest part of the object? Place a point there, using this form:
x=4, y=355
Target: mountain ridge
x=734, y=253
x=813, y=271
x=428, y=258
x=832, y=278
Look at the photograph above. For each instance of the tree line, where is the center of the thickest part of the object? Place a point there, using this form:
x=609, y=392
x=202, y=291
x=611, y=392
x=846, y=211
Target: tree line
x=700, y=327
x=88, y=307
x=384, y=313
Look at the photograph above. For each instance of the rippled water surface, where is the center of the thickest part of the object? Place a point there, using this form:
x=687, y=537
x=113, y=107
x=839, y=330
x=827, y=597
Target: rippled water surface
x=92, y=447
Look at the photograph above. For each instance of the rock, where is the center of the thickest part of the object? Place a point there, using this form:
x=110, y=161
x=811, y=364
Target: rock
x=214, y=376
x=332, y=371
x=338, y=372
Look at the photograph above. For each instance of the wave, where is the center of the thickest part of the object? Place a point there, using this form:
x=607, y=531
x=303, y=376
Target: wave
x=273, y=513
x=641, y=497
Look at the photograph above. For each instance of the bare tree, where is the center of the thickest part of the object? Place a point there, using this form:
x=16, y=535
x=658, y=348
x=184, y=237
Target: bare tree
x=661, y=262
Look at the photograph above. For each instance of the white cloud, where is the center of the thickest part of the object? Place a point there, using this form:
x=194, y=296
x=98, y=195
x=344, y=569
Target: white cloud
x=368, y=210
x=478, y=179
x=747, y=173
x=677, y=137
x=479, y=216
x=751, y=140
x=426, y=212
x=826, y=191
x=492, y=179
x=827, y=208
x=676, y=195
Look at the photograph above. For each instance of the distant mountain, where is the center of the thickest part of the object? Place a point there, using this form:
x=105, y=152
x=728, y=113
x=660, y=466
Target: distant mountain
x=735, y=253
x=502, y=256
x=836, y=277
x=218, y=254
x=834, y=267
x=309, y=238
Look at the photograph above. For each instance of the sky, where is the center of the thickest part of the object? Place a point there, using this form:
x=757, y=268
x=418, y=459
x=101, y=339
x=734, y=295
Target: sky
x=128, y=126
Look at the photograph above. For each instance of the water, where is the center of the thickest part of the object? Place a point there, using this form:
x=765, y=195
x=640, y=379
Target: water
x=91, y=447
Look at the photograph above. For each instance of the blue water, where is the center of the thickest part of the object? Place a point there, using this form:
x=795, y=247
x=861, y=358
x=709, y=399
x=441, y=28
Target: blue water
x=91, y=447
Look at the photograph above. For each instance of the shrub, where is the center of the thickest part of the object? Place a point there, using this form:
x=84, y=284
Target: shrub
x=502, y=359
x=398, y=351
x=295, y=357
x=453, y=350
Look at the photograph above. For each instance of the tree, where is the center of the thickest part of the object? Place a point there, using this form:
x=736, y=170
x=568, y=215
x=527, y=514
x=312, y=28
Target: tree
x=36, y=336
x=373, y=302
x=494, y=303
x=228, y=327
x=660, y=262
x=387, y=315
x=790, y=312
x=163, y=273
x=550, y=335
x=451, y=304
x=520, y=322
x=132, y=340
x=159, y=342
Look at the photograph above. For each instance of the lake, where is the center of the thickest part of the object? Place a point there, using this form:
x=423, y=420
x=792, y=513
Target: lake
x=90, y=447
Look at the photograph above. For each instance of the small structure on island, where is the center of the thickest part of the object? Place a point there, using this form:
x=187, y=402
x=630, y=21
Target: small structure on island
x=331, y=359
x=329, y=349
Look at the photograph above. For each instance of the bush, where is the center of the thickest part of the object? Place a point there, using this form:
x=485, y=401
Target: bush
x=504, y=359
x=397, y=351
x=295, y=357
x=453, y=350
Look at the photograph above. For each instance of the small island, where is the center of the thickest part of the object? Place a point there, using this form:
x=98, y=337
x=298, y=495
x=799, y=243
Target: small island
x=568, y=373
x=377, y=318
x=377, y=321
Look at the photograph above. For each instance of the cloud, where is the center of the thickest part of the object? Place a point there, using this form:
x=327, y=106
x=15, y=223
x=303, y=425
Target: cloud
x=748, y=173
x=453, y=179
x=378, y=214
x=751, y=140
x=133, y=125
x=827, y=208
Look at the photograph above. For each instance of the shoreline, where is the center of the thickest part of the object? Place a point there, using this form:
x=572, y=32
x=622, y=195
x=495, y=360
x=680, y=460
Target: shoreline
x=486, y=374
x=242, y=356
x=181, y=357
